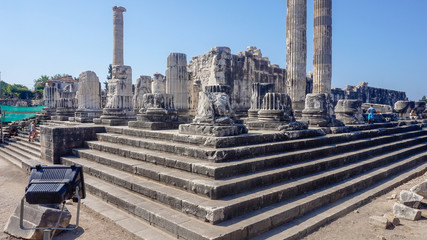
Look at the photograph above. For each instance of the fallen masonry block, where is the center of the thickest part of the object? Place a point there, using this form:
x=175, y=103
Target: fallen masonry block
x=380, y=221
x=404, y=212
x=420, y=189
x=393, y=219
x=410, y=199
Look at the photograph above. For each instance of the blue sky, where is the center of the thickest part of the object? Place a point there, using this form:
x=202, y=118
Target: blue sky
x=383, y=42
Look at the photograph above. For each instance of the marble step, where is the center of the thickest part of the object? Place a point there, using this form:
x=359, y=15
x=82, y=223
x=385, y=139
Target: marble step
x=229, y=207
x=228, y=154
x=255, y=137
x=226, y=187
x=260, y=221
x=247, y=164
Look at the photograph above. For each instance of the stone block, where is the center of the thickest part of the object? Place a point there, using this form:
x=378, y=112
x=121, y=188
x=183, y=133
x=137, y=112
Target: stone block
x=212, y=130
x=420, y=189
x=393, y=219
x=404, y=212
x=380, y=221
x=410, y=199
x=36, y=216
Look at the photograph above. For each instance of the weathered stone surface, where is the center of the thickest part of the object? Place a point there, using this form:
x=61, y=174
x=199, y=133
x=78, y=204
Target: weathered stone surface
x=258, y=92
x=402, y=211
x=118, y=35
x=367, y=94
x=276, y=107
x=293, y=126
x=66, y=105
x=380, y=221
x=143, y=86
x=219, y=66
x=322, y=46
x=158, y=85
x=349, y=111
x=211, y=130
x=403, y=108
x=318, y=110
x=214, y=107
x=296, y=52
x=420, y=189
x=88, y=97
x=393, y=219
x=419, y=108
x=36, y=216
x=177, y=80
x=381, y=108
x=410, y=199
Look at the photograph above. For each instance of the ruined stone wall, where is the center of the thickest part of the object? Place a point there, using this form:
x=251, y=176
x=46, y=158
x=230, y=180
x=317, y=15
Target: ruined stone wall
x=368, y=94
x=219, y=66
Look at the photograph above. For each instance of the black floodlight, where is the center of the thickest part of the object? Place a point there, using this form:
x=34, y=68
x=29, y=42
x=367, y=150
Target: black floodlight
x=55, y=184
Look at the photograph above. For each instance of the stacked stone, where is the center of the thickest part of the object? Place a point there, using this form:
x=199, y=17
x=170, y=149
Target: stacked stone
x=214, y=115
x=276, y=107
x=143, y=86
x=318, y=110
x=322, y=46
x=349, y=111
x=119, y=109
x=157, y=110
x=258, y=92
x=296, y=52
x=88, y=97
x=403, y=108
x=177, y=80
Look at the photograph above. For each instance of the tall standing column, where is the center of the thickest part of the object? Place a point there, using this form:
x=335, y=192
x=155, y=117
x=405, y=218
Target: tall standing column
x=118, y=35
x=322, y=46
x=176, y=79
x=296, y=52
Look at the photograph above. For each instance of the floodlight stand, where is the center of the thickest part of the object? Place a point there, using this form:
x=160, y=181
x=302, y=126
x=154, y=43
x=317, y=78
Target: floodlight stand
x=47, y=231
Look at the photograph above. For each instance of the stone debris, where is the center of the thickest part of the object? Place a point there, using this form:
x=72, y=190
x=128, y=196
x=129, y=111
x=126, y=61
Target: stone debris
x=393, y=196
x=393, y=219
x=410, y=199
x=380, y=221
x=36, y=216
x=404, y=212
x=420, y=189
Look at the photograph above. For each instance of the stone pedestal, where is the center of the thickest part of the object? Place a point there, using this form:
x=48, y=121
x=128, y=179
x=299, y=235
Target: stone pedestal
x=296, y=52
x=119, y=109
x=157, y=113
x=177, y=80
x=318, y=110
x=276, y=107
x=403, y=108
x=349, y=111
x=214, y=116
x=258, y=92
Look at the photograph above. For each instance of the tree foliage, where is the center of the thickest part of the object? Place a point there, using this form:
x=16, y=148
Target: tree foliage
x=423, y=99
x=15, y=91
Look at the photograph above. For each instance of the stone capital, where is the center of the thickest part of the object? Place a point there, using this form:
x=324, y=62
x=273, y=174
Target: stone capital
x=118, y=8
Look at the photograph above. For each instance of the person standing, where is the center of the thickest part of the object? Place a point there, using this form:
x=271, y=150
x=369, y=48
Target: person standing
x=33, y=131
x=371, y=112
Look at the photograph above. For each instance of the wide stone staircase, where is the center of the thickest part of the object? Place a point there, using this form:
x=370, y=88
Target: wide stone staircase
x=262, y=185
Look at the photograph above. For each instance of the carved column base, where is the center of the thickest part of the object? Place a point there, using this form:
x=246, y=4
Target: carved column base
x=63, y=114
x=86, y=115
x=156, y=119
x=212, y=130
x=115, y=117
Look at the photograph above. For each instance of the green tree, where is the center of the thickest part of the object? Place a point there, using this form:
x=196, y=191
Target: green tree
x=424, y=99
x=3, y=89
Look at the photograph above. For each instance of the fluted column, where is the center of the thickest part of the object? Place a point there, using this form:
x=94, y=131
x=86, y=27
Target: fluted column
x=322, y=46
x=296, y=51
x=118, y=35
x=177, y=79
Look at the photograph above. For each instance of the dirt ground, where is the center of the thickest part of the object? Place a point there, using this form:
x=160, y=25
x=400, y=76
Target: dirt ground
x=353, y=226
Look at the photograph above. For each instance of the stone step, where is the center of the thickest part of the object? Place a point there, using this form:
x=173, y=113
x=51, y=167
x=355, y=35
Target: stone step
x=247, y=164
x=238, y=184
x=326, y=214
x=254, y=223
x=255, y=137
x=233, y=206
x=7, y=153
x=128, y=222
x=27, y=148
x=227, y=154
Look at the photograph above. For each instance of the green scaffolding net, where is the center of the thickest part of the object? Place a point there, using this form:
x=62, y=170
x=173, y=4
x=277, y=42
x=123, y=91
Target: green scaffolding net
x=11, y=113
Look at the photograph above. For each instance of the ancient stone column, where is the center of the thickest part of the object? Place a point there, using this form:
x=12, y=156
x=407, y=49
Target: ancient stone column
x=177, y=79
x=258, y=92
x=88, y=97
x=143, y=86
x=276, y=107
x=118, y=35
x=322, y=46
x=296, y=52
